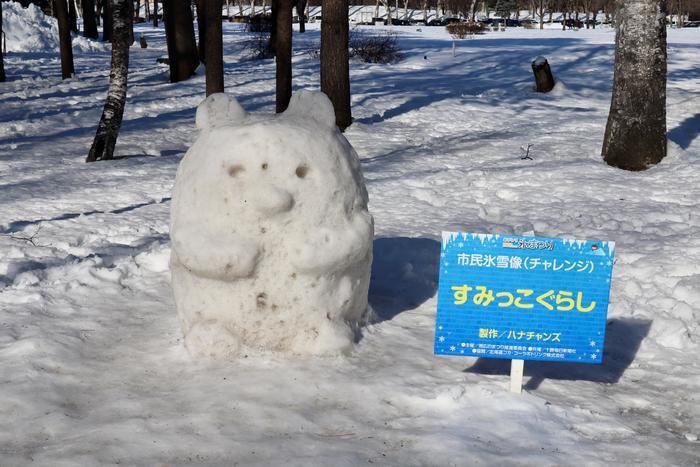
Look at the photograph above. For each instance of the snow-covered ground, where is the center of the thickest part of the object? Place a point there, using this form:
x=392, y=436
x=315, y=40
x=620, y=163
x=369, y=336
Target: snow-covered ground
x=92, y=366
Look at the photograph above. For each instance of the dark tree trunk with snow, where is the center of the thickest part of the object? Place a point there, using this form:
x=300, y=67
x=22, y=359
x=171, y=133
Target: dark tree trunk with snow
x=2, y=61
x=214, y=46
x=155, y=13
x=66, y=48
x=635, y=136
x=179, y=31
x=335, y=67
x=283, y=54
x=111, y=120
x=89, y=20
x=544, y=81
x=301, y=12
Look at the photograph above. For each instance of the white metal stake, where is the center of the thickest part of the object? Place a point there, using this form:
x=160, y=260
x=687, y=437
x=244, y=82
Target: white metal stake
x=516, y=375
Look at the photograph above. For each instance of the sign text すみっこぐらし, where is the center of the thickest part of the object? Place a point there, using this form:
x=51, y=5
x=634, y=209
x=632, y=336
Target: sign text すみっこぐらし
x=527, y=298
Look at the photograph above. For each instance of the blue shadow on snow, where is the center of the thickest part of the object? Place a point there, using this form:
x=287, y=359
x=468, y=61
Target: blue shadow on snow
x=404, y=274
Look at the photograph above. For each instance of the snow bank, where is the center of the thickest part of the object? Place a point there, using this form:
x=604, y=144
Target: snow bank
x=29, y=30
x=272, y=240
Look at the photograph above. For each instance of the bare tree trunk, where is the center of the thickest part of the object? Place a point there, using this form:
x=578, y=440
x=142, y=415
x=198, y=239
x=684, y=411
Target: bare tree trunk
x=107, y=20
x=201, y=30
x=72, y=16
x=67, y=69
x=214, y=47
x=283, y=54
x=98, y=11
x=272, y=43
x=2, y=62
x=335, y=66
x=111, y=120
x=635, y=136
x=89, y=24
x=301, y=12
x=131, y=24
x=155, y=13
x=179, y=31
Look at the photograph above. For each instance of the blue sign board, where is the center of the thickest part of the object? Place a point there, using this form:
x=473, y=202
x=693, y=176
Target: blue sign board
x=528, y=298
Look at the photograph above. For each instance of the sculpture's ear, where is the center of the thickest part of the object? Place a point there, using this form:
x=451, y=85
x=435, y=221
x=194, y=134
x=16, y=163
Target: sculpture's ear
x=218, y=110
x=312, y=105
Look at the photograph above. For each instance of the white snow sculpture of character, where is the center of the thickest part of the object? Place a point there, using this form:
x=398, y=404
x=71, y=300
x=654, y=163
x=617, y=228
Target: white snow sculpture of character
x=271, y=236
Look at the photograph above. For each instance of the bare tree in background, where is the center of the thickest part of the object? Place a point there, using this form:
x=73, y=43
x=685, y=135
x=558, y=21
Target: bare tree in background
x=301, y=13
x=72, y=16
x=66, y=49
x=155, y=13
x=214, y=46
x=89, y=20
x=201, y=30
x=541, y=7
x=111, y=120
x=335, y=66
x=283, y=54
x=2, y=62
x=179, y=32
x=635, y=136
x=107, y=20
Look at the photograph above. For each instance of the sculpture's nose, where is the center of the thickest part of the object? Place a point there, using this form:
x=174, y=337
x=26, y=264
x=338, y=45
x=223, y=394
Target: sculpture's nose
x=270, y=200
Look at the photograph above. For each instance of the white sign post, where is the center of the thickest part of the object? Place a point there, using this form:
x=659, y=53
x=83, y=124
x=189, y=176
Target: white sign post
x=516, y=375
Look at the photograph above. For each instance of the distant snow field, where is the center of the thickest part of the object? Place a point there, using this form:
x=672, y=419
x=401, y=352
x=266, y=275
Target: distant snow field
x=93, y=370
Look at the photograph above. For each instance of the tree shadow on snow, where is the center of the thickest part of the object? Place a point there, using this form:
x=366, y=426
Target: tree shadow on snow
x=404, y=274
x=18, y=226
x=623, y=337
x=686, y=132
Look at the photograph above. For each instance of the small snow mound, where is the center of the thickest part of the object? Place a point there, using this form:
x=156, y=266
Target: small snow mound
x=29, y=30
x=559, y=88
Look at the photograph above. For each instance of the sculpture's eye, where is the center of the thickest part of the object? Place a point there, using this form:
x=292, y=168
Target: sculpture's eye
x=301, y=171
x=264, y=166
x=235, y=170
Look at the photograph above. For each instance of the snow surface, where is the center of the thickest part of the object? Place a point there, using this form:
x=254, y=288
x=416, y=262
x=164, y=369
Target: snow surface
x=93, y=367
x=271, y=237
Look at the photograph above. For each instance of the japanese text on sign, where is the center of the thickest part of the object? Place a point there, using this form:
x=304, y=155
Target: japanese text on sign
x=500, y=293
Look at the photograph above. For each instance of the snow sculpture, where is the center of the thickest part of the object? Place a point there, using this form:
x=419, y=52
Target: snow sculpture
x=271, y=236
